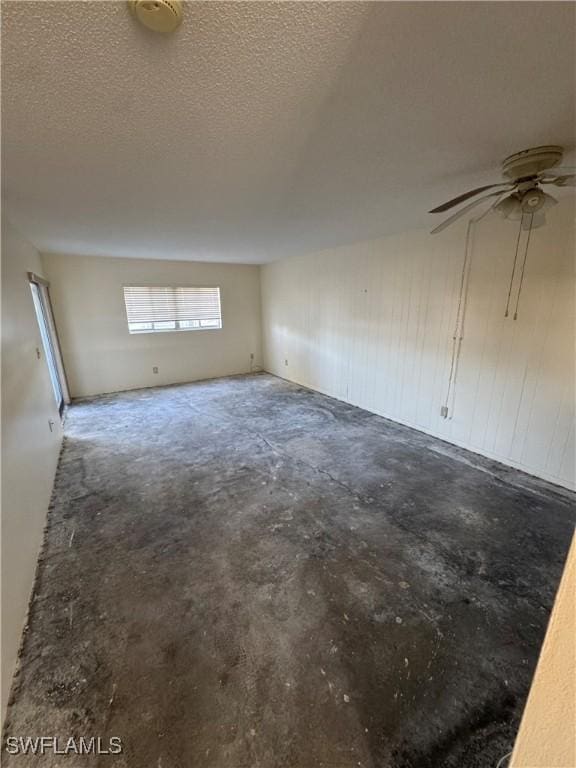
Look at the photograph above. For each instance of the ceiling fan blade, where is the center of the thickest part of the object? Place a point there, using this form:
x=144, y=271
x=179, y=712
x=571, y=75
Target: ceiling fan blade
x=462, y=211
x=564, y=170
x=466, y=195
x=569, y=180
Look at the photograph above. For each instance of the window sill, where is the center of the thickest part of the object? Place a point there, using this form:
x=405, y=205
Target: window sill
x=172, y=330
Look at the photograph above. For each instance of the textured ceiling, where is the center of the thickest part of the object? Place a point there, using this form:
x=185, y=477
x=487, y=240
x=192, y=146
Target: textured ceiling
x=263, y=129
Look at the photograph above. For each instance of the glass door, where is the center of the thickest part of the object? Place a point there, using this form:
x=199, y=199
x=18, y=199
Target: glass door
x=49, y=337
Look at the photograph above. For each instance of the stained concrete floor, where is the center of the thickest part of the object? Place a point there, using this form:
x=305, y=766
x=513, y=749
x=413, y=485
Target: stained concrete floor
x=243, y=573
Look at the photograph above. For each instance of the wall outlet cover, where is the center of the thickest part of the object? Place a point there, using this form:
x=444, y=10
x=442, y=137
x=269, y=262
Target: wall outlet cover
x=155, y=369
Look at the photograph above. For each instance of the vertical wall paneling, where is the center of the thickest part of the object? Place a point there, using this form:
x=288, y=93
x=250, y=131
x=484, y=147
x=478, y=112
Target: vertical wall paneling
x=372, y=324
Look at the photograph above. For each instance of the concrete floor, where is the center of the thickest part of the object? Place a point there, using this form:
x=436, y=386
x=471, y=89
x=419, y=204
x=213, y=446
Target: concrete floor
x=242, y=573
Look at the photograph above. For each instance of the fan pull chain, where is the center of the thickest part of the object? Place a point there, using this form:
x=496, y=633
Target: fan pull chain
x=450, y=402
x=457, y=336
x=464, y=303
x=514, y=267
x=523, y=267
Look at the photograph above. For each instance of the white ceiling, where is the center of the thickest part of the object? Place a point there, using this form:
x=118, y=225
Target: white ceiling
x=263, y=129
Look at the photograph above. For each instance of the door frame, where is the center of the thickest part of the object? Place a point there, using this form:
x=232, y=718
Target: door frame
x=48, y=315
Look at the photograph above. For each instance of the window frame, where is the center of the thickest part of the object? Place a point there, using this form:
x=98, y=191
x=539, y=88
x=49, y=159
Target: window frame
x=173, y=286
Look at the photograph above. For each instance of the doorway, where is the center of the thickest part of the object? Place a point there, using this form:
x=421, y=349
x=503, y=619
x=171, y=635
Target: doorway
x=44, y=314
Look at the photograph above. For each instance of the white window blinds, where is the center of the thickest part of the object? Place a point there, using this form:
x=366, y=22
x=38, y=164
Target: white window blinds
x=172, y=309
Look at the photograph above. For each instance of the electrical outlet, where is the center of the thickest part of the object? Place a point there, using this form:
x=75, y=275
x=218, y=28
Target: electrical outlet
x=251, y=355
x=285, y=362
x=155, y=369
x=38, y=355
x=444, y=411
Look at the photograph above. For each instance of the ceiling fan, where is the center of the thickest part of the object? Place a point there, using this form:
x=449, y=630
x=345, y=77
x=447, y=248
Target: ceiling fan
x=522, y=194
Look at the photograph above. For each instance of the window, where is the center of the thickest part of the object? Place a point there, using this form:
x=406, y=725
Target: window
x=153, y=310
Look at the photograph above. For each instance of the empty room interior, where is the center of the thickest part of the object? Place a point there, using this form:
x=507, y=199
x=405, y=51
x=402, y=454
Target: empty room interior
x=288, y=384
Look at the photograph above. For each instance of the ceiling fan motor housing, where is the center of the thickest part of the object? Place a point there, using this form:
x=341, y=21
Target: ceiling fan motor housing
x=531, y=162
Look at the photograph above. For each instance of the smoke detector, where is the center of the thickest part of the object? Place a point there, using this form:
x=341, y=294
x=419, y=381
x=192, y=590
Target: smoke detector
x=158, y=15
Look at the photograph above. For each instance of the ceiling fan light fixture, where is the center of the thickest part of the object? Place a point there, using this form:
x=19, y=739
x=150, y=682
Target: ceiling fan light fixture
x=549, y=201
x=532, y=200
x=510, y=207
x=526, y=172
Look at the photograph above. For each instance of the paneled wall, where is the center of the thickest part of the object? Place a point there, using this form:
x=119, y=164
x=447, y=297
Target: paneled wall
x=372, y=324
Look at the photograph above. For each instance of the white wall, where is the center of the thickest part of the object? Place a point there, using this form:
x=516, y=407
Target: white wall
x=29, y=449
x=545, y=738
x=372, y=324
x=100, y=355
